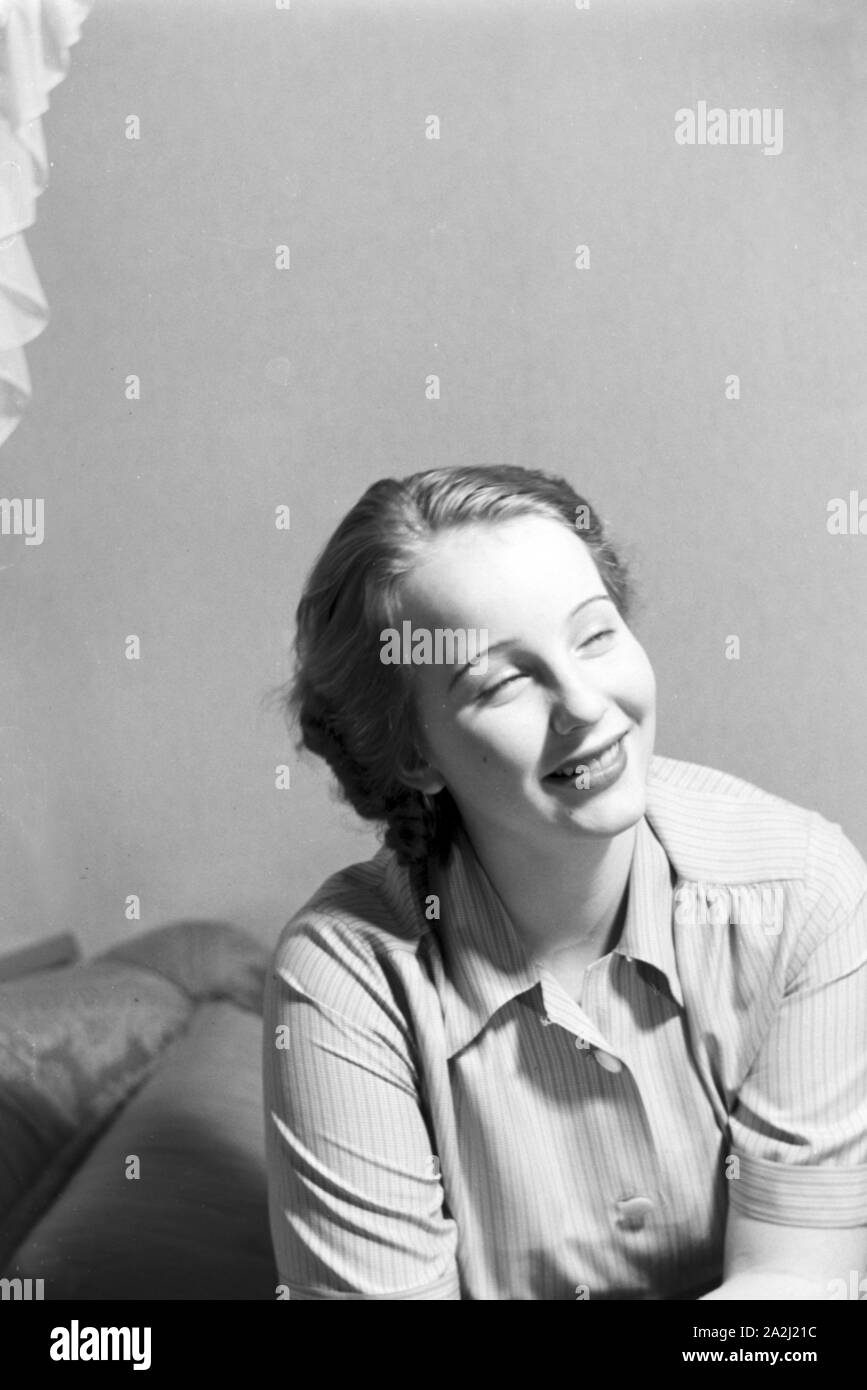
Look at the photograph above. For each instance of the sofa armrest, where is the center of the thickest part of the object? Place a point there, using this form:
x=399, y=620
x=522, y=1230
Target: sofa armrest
x=49, y=954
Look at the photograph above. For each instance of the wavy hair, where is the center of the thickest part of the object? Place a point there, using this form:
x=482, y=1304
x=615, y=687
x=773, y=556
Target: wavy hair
x=356, y=712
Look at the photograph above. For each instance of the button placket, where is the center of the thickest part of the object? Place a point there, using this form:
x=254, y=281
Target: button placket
x=568, y=1015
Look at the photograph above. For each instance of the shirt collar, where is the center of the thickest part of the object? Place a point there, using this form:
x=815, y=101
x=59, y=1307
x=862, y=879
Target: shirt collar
x=648, y=932
x=486, y=964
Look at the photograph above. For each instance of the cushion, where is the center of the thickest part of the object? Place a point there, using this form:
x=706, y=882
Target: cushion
x=194, y=1223
x=207, y=959
x=74, y=1042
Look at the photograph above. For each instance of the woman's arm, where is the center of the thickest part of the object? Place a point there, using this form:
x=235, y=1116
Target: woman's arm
x=797, y=1212
x=766, y=1260
x=355, y=1197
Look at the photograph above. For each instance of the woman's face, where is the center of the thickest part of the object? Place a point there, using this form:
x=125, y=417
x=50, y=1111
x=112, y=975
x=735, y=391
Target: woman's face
x=564, y=680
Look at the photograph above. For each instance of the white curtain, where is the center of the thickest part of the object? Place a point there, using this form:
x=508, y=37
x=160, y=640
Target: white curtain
x=35, y=39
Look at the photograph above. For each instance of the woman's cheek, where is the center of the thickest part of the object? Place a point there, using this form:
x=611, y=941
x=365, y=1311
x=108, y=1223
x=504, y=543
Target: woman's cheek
x=519, y=741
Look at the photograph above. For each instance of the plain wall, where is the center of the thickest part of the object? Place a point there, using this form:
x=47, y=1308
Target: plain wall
x=410, y=256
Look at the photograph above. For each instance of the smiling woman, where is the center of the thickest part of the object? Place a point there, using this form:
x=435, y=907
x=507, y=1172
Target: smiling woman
x=498, y=1063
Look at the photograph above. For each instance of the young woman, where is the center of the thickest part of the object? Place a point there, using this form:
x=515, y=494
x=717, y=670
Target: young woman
x=593, y=1022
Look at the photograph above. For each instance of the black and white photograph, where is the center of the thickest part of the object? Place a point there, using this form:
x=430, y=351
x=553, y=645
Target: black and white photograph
x=433, y=605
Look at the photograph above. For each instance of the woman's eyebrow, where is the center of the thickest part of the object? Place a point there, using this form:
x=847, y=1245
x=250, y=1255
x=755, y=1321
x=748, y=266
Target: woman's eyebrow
x=509, y=641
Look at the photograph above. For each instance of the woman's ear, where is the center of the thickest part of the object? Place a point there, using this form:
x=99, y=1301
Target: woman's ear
x=423, y=778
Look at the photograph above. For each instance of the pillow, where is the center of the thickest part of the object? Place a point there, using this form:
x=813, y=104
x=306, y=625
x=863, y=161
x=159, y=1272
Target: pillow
x=206, y=959
x=194, y=1223
x=74, y=1043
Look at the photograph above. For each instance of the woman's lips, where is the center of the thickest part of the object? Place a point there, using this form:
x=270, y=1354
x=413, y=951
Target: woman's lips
x=592, y=773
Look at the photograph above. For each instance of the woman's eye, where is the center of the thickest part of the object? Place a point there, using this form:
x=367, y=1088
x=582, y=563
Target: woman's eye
x=595, y=637
x=492, y=689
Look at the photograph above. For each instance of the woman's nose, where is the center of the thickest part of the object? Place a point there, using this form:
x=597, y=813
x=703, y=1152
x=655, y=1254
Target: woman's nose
x=578, y=702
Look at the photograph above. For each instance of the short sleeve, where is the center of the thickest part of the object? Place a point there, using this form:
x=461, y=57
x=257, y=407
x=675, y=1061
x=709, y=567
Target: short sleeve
x=799, y=1128
x=355, y=1197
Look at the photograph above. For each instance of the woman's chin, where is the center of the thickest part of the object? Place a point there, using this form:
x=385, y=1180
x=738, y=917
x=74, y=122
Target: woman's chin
x=609, y=813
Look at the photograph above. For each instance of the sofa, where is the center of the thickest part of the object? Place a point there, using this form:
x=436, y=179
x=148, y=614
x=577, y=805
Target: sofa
x=132, y=1146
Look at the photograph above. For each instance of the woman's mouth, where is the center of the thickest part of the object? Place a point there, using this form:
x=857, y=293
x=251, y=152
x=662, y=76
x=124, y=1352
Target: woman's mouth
x=585, y=774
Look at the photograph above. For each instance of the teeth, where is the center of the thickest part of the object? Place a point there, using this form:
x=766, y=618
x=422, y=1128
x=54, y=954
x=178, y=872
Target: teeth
x=593, y=764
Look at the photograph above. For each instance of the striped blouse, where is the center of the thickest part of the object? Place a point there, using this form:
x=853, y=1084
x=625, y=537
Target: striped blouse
x=444, y=1122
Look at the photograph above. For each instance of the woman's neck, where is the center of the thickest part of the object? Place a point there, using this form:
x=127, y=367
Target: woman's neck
x=575, y=903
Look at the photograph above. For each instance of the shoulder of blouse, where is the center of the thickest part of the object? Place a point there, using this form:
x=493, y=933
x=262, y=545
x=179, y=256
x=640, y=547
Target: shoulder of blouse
x=719, y=827
x=376, y=906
